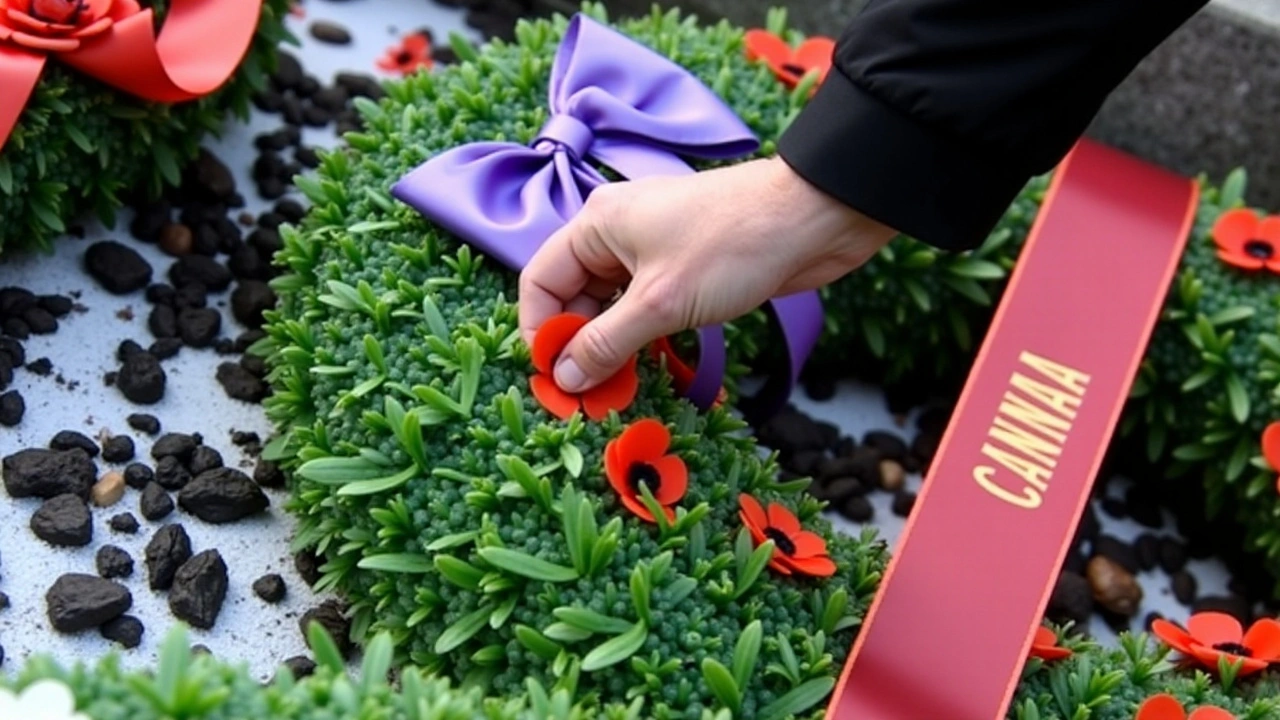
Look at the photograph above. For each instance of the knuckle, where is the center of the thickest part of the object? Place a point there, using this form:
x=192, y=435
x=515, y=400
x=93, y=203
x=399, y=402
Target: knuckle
x=598, y=349
x=662, y=301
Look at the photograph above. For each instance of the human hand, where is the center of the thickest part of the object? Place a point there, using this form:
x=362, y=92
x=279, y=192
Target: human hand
x=690, y=251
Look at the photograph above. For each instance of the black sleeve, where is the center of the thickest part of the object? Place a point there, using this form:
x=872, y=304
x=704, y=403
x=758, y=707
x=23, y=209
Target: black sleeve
x=937, y=112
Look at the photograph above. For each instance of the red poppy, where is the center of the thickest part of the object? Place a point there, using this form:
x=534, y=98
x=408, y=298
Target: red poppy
x=59, y=25
x=1166, y=707
x=795, y=549
x=1213, y=635
x=1248, y=241
x=1045, y=645
x=681, y=374
x=1271, y=448
x=413, y=52
x=790, y=64
x=639, y=457
x=296, y=9
x=616, y=393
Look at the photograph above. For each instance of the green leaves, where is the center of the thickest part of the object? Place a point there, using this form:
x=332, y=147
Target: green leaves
x=590, y=551
x=518, y=472
x=396, y=562
x=640, y=591
x=617, y=649
x=746, y=652
x=462, y=630
x=378, y=485
x=590, y=621
x=537, y=643
x=722, y=684
x=526, y=565
x=799, y=699
x=750, y=562
x=512, y=408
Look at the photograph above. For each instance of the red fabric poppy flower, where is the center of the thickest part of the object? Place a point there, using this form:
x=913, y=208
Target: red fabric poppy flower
x=413, y=52
x=789, y=64
x=1271, y=448
x=59, y=25
x=639, y=457
x=681, y=374
x=1166, y=707
x=1248, y=241
x=1045, y=645
x=616, y=393
x=1213, y=635
x=795, y=549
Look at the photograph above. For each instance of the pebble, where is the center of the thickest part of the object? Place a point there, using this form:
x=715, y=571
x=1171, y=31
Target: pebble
x=247, y=263
x=124, y=523
x=199, y=327
x=12, y=408
x=118, y=449
x=923, y=448
x=161, y=294
x=222, y=495
x=892, y=475
x=77, y=602
x=144, y=423
x=36, y=472
x=117, y=267
x=330, y=32
x=857, y=509
x=13, y=350
x=155, y=503
x=1143, y=505
x=1113, y=586
x=70, y=439
x=149, y=219
x=176, y=239
x=204, y=458
x=1147, y=550
x=1173, y=554
x=108, y=491
x=307, y=563
x=240, y=384
x=903, y=502
x=199, y=589
x=300, y=666
x=165, y=348
x=1071, y=600
x=211, y=177
x=171, y=474
x=270, y=588
x=888, y=444
x=198, y=268
x=837, y=490
x=268, y=474
x=125, y=630
x=1183, y=584
x=113, y=562
x=1113, y=507
x=191, y=295
x=141, y=379
x=137, y=475
x=40, y=321
x=179, y=445
x=63, y=521
x=1118, y=551
x=168, y=549
x=360, y=85
x=249, y=300
x=330, y=616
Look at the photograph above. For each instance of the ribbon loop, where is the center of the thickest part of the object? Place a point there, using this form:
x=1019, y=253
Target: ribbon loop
x=568, y=132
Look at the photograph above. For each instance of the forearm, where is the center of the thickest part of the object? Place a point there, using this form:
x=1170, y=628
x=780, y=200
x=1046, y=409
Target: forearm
x=938, y=111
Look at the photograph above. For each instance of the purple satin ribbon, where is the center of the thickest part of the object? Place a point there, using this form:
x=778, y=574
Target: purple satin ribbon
x=622, y=105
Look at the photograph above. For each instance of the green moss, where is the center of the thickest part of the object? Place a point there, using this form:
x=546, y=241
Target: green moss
x=478, y=533
x=81, y=147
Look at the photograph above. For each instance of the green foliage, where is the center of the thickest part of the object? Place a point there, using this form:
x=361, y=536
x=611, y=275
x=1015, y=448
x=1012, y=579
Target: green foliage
x=82, y=148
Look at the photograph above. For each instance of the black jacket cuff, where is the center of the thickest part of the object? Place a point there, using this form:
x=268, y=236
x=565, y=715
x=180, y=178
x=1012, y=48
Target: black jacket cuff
x=889, y=167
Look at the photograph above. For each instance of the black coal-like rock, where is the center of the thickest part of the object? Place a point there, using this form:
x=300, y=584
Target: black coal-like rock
x=1183, y=584
x=171, y=474
x=76, y=602
x=168, y=549
x=1147, y=550
x=1072, y=600
x=330, y=32
x=149, y=219
x=155, y=503
x=40, y=366
x=191, y=295
x=13, y=350
x=70, y=439
x=248, y=264
x=165, y=348
x=291, y=210
x=210, y=178
x=240, y=384
x=40, y=321
x=222, y=495
x=200, y=269
x=1233, y=605
x=12, y=408
x=307, y=157
x=4, y=601
x=141, y=379
x=923, y=448
x=206, y=240
x=360, y=85
x=256, y=365
x=249, y=300
x=863, y=464
x=300, y=666
x=307, y=563
x=63, y=521
x=903, y=502
x=113, y=562
x=1173, y=554
x=137, y=475
x=16, y=300
x=56, y=305
x=240, y=438
x=161, y=294
x=36, y=472
x=288, y=73
x=125, y=630
x=123, y=523
x=144, y=423
x=1142, y=501
x=16, y=328
x=857, y=509
x=1113, y=507
x=270, y=588
x=268, y=474
x=888, y=444
x=118, y=449
x=163, y=321
x=1118, y=551
x=117, y=267
x=179, y=445
x=199, y=589
x=199, y=327
x=204, y=458
x=330, y=616
x=790, y=432
x=834, y=491
x=819, y=387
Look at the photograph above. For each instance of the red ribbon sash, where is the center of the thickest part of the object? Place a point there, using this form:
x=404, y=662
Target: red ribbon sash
x=949, y=631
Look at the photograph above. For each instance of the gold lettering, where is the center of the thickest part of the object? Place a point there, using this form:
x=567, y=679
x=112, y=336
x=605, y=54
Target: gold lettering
x=1069, y=378
x=1030, y=499
x=1034, y=475
x=1064, y=403
x=1022, y=441
x=1019, y=409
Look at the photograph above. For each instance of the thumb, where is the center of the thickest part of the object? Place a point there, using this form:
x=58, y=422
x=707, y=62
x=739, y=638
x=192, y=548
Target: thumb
x=609, y=340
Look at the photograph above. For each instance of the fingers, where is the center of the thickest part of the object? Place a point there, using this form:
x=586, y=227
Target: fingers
x=605, y=344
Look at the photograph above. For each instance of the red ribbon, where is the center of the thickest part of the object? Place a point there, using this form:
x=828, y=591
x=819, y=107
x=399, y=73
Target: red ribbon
x=981, y=552
x=114, y=41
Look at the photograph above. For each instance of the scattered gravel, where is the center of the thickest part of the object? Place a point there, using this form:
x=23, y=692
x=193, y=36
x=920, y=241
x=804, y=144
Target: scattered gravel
x=36, y=472
x=155, y=504
x=199, y=589
x=222, y=495
x=125, y=630
x=270, y=588
x=113, y=562
x=78, y=602
x=63, y=521
x=169, y=548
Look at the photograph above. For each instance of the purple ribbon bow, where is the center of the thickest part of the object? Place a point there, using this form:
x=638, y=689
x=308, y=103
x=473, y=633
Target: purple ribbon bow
x=614, y=101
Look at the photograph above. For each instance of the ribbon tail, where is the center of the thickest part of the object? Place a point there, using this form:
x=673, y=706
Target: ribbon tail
x=19, y=73
x=198, y=49
x=799, y=316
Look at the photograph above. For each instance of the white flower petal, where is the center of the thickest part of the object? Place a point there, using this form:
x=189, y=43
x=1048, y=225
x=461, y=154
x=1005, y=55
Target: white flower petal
x=47, y=700
x=8, y=704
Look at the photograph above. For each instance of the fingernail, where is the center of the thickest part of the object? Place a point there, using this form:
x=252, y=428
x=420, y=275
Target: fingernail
x=569, y=376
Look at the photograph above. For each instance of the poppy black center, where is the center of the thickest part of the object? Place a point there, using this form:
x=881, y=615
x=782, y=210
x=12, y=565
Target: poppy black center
x=643, y=473
x=1260, y=249
x=793, y=69
x=1234, y=649
x=404, y=57
x=780, y=540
